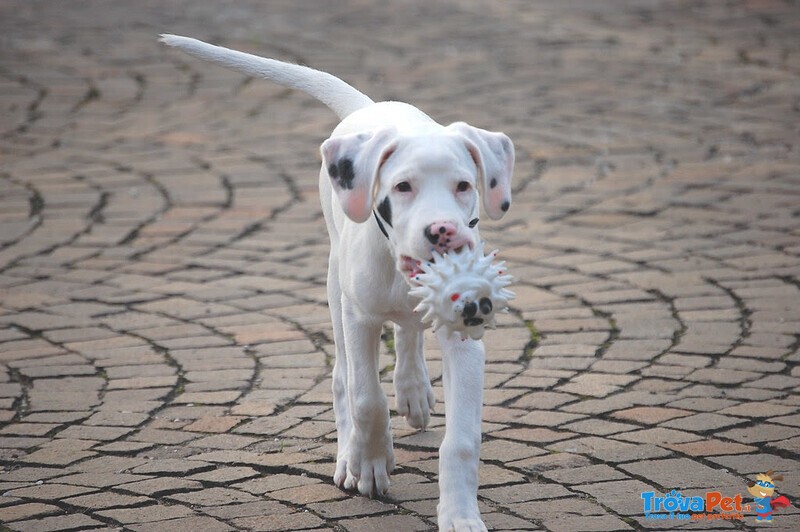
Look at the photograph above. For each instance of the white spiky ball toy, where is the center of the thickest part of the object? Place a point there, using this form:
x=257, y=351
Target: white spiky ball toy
x=462, y=292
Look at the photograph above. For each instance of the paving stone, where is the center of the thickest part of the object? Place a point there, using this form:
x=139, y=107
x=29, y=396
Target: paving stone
x=247, y=509
x=580, y=475
x=763, y=432
x=146, y=514
x=609, y=450
x=393, y=522
x=29, y=429
x=110, y=418
x=164, y=437
x=536, y=435
x=57, y=522
x=31, y=474
x=213, y=497
x=49, y=491
x=214, y=424
x=503, y=521
x=703, y=422
x=650, y=415
x=308, y=494
x=184, y=524
x=269, y=459
x=658, y=436
x=588, y=523
x=156, y=487
x=506, y=451
x=224, y=441
x=100, y=480
x=225, y=475
x=173, y=466
x=269, y=483
x=598, y=427
x=94, y=432
x=351, y=507
x=25, y=511
x=524, y=492
x=622, y=496
x=99, y=501
x=704, y=404
x=540, y=510
x=675, y=473
x=711, y=447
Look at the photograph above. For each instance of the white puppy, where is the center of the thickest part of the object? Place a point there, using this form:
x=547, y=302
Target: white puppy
x=419, y=181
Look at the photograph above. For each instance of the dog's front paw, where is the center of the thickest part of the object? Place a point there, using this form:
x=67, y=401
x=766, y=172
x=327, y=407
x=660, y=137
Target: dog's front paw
x=414, y=400
x=455, y=520
x=367, y=466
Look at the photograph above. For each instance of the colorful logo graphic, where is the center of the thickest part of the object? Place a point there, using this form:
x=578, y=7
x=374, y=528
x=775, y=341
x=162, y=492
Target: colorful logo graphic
x=712, y=506
x=716, y=506
x=762, y=491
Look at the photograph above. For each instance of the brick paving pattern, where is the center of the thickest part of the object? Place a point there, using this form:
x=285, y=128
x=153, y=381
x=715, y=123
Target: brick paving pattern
x=165, y=345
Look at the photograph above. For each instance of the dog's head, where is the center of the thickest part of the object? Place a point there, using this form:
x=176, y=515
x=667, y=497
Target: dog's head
x=425, y=188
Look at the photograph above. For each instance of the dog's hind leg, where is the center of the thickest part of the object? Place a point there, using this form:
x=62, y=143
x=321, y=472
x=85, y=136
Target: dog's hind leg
x=414, y=398
x=341, y=408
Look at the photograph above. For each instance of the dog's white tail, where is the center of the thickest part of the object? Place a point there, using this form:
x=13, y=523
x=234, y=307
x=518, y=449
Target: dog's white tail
x=342, y=98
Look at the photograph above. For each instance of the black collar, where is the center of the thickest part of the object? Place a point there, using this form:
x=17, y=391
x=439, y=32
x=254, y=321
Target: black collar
x=380, y=224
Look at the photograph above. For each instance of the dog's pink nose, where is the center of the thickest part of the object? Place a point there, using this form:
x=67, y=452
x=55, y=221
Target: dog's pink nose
x=444, y=236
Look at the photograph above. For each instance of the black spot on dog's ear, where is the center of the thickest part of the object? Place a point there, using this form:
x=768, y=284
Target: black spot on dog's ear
x=473, y=222
x=343, y=173
x=385, y=210
x=505, y=205
x=493, y=183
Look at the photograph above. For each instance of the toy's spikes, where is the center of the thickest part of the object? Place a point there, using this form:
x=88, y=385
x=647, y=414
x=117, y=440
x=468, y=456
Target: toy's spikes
x=462, y=292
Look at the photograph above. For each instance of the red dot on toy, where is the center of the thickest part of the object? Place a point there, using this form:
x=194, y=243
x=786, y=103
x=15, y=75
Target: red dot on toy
x=454, y=297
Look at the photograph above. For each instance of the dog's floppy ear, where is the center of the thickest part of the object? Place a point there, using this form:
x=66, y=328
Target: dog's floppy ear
x=493, y=153
x=353, y=163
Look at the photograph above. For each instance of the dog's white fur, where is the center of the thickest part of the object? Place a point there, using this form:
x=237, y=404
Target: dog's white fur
x=430, y=175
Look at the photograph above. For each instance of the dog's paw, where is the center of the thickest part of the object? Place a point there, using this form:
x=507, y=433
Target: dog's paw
x=414, y=400
x=340, y=475
x=455, y=517
x=464, y=525
x=459, y=522
x=366, y=467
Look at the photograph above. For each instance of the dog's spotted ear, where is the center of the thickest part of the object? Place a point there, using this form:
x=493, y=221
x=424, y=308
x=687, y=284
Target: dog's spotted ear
x=493, y=153
x=353, y=163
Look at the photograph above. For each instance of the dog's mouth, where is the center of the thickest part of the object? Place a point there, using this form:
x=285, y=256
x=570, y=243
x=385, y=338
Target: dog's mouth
x=412, y=267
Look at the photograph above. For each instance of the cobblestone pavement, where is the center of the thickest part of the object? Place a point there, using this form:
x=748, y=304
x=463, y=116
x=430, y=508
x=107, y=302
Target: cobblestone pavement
x=165, y=345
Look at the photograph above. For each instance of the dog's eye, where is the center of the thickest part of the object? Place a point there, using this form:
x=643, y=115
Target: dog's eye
x=403, y=186
x=463, y=186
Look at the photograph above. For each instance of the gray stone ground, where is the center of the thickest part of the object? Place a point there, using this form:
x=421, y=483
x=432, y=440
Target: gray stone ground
x=165, y=346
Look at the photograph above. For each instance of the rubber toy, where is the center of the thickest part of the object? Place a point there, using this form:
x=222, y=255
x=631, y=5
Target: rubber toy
x=462, y=292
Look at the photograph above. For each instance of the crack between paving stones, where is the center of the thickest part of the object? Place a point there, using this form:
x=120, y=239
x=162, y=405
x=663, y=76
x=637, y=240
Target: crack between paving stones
x=34, y=215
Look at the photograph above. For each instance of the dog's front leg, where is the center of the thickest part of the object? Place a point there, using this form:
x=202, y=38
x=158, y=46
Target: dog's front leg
x=459, y=454
x=370, y=457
